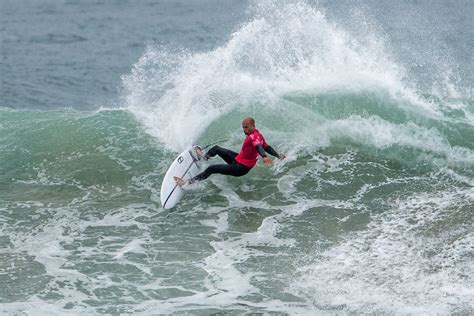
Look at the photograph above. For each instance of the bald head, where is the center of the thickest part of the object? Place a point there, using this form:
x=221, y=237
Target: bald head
x=249, y=120
x=248, y=125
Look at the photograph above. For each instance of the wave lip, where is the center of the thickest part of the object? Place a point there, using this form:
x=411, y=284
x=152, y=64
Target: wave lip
x=283, y=49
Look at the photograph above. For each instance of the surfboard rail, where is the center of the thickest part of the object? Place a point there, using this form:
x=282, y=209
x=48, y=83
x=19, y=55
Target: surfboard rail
x=186, y=165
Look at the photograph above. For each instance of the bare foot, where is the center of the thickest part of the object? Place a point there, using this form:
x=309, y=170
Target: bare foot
x=179, y=181
x=200, y=153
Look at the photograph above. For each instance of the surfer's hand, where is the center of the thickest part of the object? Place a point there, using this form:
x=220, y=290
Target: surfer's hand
x=281, y=156
x=267, y=161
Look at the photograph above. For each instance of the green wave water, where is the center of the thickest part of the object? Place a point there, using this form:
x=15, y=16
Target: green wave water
x=370, y=212
x=365, y=195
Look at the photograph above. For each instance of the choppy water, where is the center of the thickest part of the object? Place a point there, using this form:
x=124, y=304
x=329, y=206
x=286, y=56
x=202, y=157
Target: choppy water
x=371, y=212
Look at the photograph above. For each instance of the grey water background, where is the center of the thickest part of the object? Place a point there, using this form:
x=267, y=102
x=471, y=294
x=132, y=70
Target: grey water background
x=73, y=53
x=371, y=212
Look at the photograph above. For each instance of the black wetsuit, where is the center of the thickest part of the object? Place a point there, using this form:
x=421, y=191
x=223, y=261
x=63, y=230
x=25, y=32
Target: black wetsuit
x=232, y=168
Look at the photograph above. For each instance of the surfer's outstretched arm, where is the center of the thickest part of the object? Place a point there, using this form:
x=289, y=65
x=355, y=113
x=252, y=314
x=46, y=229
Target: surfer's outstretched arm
x=269, y=149
x=262, y=151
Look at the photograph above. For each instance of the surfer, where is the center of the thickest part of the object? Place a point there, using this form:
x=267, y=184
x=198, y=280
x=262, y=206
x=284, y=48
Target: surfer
x=238, y=164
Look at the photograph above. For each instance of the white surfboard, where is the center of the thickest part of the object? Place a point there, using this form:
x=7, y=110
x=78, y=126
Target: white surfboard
x=185, y=166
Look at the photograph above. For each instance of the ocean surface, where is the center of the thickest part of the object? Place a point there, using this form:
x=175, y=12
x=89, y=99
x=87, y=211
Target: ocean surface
x=371, y=212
